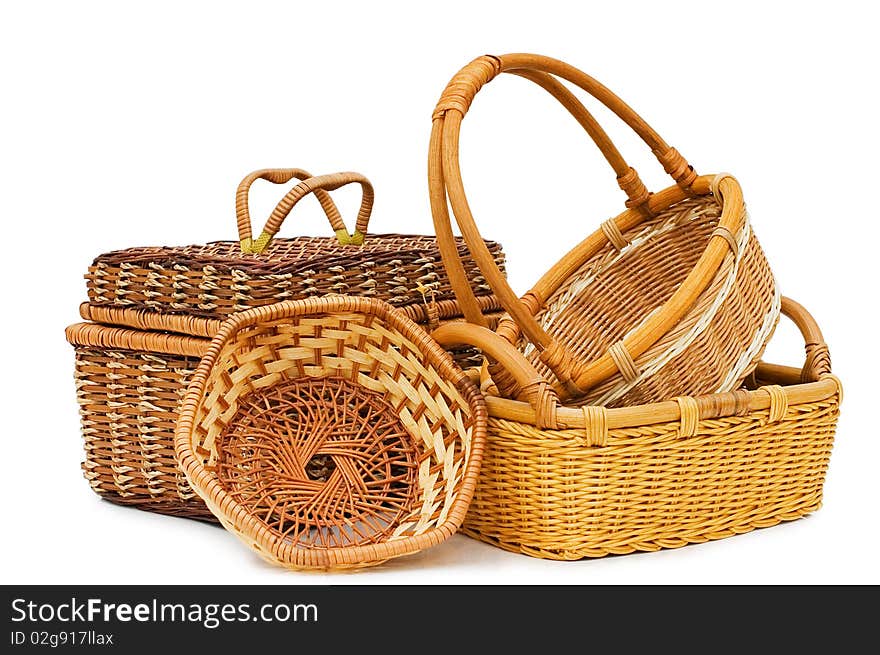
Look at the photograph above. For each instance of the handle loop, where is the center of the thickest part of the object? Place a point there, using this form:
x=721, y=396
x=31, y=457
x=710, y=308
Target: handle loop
x=319, y=185
x=276, y=176
x=532, y=387
x=818, y=360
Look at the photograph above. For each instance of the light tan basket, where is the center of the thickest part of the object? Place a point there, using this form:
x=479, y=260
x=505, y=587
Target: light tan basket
x=573, y=482
x=672, y=296
x=331, y=433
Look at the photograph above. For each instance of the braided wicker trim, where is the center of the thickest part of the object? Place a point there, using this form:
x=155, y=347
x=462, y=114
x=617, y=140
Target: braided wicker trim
x=144, y=319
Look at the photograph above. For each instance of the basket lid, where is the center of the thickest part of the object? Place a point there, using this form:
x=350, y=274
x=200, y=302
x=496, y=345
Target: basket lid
x=219, y=278
x=215, y=279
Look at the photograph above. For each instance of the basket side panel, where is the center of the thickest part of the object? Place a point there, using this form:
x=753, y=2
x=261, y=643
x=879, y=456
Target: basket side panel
x=546, y=494
x=128, y=409
x=722, y=351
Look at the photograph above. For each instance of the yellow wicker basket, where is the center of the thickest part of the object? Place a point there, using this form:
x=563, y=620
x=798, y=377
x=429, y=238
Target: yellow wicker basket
x=331, y=433
x=573, y=482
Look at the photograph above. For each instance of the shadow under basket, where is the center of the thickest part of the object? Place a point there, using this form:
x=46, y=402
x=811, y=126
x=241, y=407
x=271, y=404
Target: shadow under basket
x=331, y=433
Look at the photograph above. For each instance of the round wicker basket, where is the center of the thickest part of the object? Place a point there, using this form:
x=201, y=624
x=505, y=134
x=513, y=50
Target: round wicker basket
x=331, y=433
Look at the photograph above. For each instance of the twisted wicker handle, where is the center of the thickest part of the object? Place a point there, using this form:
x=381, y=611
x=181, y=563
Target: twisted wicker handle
x=319, y=185
x=276, y=176
x=461, y=90
x=445, y=181
x=532, y=387
x=627, y=177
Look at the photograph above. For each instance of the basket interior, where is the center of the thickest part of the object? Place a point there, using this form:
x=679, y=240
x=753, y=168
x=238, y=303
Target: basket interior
x=322, y=461
x=710, y=349
x=613, y=292
x=333, y=431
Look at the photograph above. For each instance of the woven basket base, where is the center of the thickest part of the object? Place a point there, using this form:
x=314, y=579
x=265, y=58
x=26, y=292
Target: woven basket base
x=320, y=462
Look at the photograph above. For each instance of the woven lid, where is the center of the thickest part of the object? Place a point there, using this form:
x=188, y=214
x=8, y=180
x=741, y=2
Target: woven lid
x=216, y=279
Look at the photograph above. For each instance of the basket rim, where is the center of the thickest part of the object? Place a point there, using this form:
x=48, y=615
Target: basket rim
x=539, y=408
x=711, y=406
x=207, y=486
x=182, y=322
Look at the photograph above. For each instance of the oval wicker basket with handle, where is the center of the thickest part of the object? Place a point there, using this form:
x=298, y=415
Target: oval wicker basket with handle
x=672, y=296
x=567, y=483
x=331, y=433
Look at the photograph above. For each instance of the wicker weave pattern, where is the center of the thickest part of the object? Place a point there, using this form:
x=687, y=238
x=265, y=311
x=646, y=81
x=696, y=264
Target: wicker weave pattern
x=428, y=313
x=571, y=482
x=128, y=409
x=403, y=428
x=329, y=452
x=710, y=350
x=554, y=494
x=129, y=385
x=215, y=279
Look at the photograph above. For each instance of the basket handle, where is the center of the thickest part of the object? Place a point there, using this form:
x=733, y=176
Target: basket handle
x=319, y=185
x=540, y=395
x=627, y=178
x=530, y=385
x=445, y=182
x=818, y=361
x=276, y=176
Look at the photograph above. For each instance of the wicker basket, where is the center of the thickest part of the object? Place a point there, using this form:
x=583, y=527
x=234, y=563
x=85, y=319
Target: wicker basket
x=331, y=433
x=152, y=312
x=672, y=296
x=568, y=483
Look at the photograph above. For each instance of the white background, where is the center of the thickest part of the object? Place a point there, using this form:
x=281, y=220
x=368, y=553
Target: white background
x=125, y=126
